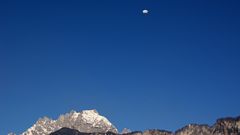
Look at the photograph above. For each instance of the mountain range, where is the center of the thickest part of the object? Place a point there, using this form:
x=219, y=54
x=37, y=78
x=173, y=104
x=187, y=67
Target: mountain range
x=90, y=122
x=86, y=121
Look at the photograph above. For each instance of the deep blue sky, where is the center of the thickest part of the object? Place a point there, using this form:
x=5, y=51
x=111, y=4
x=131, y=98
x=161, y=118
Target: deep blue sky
x=178, y=65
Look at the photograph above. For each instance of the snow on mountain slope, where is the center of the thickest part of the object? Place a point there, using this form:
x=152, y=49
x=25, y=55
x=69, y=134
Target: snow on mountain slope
x=84, y=121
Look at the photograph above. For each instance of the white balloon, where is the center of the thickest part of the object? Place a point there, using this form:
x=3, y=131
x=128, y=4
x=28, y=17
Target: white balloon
x=145, y=11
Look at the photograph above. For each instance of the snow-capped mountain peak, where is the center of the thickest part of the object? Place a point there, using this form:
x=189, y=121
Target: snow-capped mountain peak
x=93, y=117
x=84, y=121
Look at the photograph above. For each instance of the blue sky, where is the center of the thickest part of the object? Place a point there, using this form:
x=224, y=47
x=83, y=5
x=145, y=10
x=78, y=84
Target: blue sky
x=178, y=65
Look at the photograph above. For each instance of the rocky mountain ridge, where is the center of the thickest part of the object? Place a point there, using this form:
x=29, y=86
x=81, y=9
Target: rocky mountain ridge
x=223, y=126
x=90, y=122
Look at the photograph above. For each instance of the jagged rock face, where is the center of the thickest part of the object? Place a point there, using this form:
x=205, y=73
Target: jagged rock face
x=224, y=126
x=87, y=121
x=227, y=126
x=194, y=129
